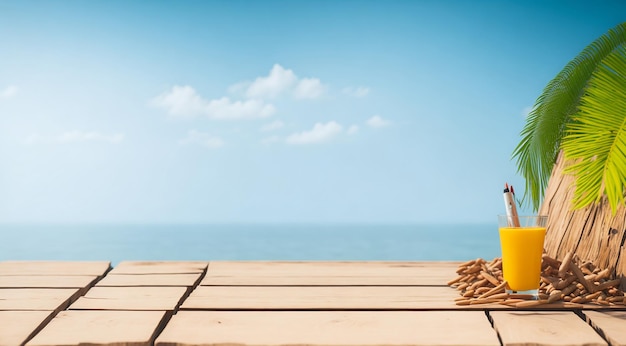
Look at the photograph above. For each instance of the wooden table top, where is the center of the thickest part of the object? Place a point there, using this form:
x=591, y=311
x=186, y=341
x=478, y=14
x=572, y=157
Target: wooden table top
x=273, y=303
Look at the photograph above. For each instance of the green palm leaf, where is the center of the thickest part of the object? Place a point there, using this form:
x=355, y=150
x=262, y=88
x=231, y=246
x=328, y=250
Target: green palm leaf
x=554, y=109
x=596, y=139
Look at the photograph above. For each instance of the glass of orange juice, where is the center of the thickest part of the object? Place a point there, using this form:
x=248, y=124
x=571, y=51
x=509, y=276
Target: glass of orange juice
x=522, y=248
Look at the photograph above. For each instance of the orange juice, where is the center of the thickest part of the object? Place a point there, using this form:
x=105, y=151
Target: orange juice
x=522, y=248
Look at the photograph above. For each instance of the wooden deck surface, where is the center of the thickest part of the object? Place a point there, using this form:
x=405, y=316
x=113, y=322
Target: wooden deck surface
x=273, y=303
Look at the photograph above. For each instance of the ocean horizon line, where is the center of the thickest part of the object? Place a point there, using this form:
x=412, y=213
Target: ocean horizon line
x=286, y=242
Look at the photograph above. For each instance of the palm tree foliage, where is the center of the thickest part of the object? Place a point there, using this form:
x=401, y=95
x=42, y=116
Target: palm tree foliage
x=582, y=112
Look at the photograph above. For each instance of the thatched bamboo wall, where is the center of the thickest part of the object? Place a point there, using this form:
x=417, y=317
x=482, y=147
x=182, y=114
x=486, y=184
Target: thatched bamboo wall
x=593, y=233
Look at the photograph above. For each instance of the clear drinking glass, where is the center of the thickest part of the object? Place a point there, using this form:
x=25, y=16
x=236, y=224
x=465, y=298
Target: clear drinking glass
x=522, y=249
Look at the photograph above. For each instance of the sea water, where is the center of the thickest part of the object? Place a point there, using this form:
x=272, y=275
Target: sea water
x=334, y=242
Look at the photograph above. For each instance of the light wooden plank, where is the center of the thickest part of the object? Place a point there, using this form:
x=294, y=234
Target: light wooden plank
x=611, y=324
x=340, y=328
x=337, y=298
x=120, y=328
x=51, y=299
x=159, y=267
x=46, y=281
x=130, y=298
x=320, y=297
x=95, y=268
x=330, y=273
x=129, y=280
x=18, y=326
x=544, y=328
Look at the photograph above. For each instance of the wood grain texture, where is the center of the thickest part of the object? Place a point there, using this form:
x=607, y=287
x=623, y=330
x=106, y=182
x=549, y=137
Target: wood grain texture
x=153, y=280
x=130, y=298
x=50, y=299
x=544, y=328
x=18, y=326
x=160, y=267
x=54, y=268
x=611, y=324
x=46, y=281
x=342, y=298
x=340, y=328
x=330, y=273
x=594, y=233
x=268, y=310
x=320, y=297
x=113, y=328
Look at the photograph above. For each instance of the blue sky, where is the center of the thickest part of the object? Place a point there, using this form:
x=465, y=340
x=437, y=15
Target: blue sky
x=274, y=111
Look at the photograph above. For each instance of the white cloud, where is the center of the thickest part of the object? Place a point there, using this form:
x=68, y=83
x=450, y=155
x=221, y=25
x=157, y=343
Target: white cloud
x=272, y=126
x=309, y=88
x=181, y=101
x=353, y=129
x=319, y=133
x=202, y=139
x=376, y=121
x=76, y=137
x=184, y=101
x=278, y=81
x=239, y=88
x=9, y=92
x=356, y=92
x=224, y=108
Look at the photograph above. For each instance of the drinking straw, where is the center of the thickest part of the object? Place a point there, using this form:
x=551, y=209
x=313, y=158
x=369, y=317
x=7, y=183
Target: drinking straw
x=509, y=203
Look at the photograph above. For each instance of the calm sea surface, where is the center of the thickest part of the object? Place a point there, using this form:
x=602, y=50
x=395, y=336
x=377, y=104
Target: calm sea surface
x=249, y=242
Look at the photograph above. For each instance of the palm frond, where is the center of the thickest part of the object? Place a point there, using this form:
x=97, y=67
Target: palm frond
x=545, y=126
x=596, y=139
